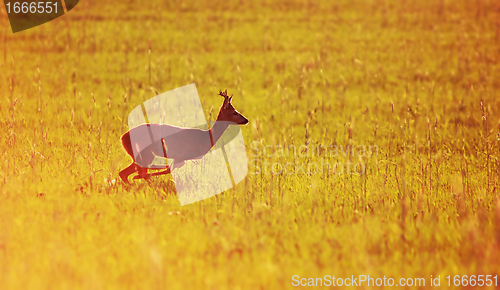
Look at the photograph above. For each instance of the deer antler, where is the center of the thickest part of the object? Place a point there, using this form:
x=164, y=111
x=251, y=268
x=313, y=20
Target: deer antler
x=224, y=94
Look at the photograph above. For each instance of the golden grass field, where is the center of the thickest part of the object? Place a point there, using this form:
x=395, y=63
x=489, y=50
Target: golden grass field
x=420, y=80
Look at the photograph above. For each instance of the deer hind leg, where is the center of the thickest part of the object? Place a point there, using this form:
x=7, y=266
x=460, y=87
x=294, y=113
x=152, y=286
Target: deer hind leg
x=142, y=173
x=166, y=171
x=124, y=174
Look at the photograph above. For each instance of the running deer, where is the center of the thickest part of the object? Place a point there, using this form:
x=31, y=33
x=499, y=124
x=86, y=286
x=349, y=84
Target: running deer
x=179, y=144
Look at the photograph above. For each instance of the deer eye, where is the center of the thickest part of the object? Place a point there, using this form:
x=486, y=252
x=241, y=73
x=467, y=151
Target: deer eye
x=234, y=114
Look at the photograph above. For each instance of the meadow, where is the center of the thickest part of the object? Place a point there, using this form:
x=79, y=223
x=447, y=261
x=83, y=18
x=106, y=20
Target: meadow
x=420, y=80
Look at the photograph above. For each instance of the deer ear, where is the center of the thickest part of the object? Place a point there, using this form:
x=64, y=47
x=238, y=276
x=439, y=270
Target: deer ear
x=230, y=98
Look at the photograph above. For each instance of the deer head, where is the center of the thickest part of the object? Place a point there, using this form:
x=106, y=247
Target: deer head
x=228, y=112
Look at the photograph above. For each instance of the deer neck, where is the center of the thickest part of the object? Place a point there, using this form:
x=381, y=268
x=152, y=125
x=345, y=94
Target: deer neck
x=217, y=130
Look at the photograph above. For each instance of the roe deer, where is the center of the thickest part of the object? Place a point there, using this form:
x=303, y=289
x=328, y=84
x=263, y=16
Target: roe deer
x=179, y=144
